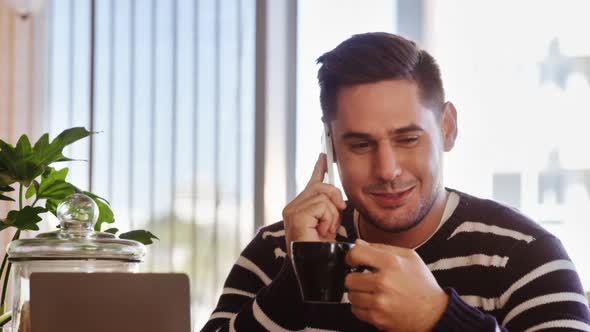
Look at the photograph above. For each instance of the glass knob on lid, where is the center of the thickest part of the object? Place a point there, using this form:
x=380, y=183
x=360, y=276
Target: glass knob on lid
x=77, y=214
x=76, y=238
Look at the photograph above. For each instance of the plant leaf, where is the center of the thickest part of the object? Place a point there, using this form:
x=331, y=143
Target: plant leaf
x=4, y=189
x=42, y=143
x=5, y=178
x=32, y=190
x=51, y=205
x=36, y=184
x=6, y=198
x=112, y=230
x=5, y=318
x=25, y=219
x=3, y=225
x=47, y=154
x=68, y=159
x=23, y=147
x=54, y=186
x=95, y=196
x=140, y=235
x=24, y=163
x=18, y=164
x=7, y=164
x=105, y=214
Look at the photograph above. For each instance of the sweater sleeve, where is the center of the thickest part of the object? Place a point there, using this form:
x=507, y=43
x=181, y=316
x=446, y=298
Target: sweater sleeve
x=542, y=291
x=260, y=292
x=545, y=291
x=460, y=316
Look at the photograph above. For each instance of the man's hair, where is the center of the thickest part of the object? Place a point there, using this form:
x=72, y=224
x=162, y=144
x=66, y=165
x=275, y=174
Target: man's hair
x=373, y=57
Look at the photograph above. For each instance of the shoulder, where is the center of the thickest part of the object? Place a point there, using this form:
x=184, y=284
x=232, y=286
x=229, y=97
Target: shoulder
x=268, y=244
x=486, y=240
x=474, y=212
x=272, y=235
x=485, y=227
x=272, y=228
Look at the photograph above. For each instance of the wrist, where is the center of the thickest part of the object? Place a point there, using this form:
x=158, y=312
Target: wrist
x=435, y=311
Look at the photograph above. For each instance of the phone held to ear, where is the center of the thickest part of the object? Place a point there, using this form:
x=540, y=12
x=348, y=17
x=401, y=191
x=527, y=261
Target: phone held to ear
x=328, y=149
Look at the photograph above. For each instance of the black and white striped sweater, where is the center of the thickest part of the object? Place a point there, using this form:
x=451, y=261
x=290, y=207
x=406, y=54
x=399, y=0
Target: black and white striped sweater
x=503, y=272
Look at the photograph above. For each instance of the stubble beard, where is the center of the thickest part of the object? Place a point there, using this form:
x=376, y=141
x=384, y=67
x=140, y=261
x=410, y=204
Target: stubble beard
x=404, y=223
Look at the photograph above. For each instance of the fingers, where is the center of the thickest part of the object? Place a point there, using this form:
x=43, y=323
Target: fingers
x=315, y=214
x=369, y=315
x=359, y=282
x=364, y=254
x=320, y=168
x=368, y=307
x=321, y=209
x=370, y=296
x=310, y=218
x=360, y=300
x=329, y=190
x=361, y=313
x=334, y=194
x=392, y=295
x=316, y=186
x=376, y=255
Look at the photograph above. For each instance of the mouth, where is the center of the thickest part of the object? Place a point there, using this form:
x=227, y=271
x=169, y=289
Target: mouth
x=392, y=199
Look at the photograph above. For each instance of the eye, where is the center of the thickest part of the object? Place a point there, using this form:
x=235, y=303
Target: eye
x=408, y=140
x=360, y=146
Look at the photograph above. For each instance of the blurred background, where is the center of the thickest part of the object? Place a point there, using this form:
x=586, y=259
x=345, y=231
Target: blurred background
x=209, y=116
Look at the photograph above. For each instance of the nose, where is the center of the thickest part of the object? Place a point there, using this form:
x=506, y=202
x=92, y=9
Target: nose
x=386, y=163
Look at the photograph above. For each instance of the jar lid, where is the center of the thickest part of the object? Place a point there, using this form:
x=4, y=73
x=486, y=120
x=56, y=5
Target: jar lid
x=76, y=238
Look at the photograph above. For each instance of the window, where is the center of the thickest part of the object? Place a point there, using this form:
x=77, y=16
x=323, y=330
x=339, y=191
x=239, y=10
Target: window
x=519, y=75
x=174, y=105
x=317, y=33
x=522, y=90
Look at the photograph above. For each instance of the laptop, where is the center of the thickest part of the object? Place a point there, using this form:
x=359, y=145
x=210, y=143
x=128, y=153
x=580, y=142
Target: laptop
x=114, y=302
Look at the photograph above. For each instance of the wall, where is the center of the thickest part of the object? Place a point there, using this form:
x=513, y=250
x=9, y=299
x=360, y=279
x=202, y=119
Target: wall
x=22, y=88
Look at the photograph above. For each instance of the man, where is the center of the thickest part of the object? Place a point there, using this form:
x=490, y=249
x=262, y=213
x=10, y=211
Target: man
x=442, y=260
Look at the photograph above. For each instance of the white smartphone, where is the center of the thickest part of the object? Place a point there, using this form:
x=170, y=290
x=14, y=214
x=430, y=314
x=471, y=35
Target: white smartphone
x=328, y=149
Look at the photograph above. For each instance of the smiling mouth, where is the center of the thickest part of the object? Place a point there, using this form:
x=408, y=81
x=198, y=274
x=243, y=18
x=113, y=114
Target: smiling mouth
x=392, y=199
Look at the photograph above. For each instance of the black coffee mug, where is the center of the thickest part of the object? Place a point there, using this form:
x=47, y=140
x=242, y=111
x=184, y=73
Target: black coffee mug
x=320, y=269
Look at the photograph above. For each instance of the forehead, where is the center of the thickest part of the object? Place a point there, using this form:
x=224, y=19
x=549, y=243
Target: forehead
x=381, y=107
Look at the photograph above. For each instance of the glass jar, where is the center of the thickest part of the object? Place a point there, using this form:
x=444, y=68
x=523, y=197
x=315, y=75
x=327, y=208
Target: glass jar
x=75, y=247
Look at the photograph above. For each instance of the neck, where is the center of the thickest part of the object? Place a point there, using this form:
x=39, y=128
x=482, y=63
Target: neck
x=410, y=238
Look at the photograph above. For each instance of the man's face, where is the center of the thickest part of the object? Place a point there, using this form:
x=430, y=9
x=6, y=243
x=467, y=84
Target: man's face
x=389, y=151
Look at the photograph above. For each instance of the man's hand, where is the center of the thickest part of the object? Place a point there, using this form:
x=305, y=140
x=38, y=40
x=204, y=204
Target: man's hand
x=401, y=294
x=314, y=215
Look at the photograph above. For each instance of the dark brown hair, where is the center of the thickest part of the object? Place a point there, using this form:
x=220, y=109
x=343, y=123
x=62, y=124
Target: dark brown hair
x=376, y=56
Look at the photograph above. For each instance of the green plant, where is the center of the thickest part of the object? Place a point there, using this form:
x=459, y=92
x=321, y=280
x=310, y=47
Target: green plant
x=28, y=167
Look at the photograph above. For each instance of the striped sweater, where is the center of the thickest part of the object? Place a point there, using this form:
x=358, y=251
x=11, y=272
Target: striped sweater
x=502, y=271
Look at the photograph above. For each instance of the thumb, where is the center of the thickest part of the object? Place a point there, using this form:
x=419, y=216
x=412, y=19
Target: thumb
x=320, y=168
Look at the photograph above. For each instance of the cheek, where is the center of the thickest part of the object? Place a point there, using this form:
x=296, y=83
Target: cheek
x=422, y=163
x=431, y=167
x=353, y=174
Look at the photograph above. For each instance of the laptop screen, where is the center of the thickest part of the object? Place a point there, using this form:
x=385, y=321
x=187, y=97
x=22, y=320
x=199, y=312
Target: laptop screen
x=115, y=302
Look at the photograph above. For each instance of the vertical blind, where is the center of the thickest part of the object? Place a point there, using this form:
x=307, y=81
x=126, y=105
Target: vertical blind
x=172, y=91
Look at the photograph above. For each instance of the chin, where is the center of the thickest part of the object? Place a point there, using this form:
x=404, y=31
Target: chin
x=394, y=224
x=396, y=220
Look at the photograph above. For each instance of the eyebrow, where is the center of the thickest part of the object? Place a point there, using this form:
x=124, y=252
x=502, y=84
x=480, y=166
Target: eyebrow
x=398, y=131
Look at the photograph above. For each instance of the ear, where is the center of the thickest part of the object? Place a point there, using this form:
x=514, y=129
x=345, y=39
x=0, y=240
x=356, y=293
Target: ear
x=449, y=126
